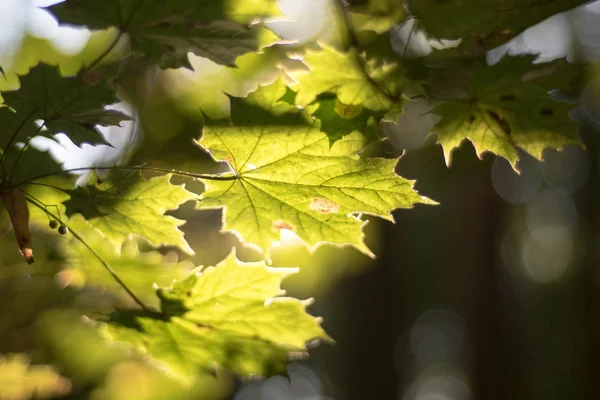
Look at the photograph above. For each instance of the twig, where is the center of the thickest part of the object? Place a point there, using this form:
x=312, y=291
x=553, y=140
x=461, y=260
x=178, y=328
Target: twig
x=111, y=271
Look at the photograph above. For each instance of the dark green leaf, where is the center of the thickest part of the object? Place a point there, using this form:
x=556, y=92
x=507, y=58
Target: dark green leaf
x=70, y=105
x=165, y=31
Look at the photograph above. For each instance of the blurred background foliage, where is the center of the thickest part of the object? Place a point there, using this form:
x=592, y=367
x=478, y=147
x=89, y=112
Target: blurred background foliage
x=492, y=295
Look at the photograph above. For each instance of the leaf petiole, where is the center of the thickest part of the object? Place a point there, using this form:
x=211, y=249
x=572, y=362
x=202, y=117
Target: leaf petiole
x=135, y=168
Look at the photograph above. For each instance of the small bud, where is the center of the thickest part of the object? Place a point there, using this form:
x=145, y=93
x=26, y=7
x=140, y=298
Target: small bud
x=53, y=224
x=63, y=230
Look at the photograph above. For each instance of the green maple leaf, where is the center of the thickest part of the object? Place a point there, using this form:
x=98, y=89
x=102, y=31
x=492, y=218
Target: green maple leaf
x=338, y=119
x=494, y=20
x=286, y=175
x=65, y=104
x=19, y=380
x=133, y=205
x=342, y=74
x=139, y=270
x=229, y=315
x=166, y=31
x=507, y=107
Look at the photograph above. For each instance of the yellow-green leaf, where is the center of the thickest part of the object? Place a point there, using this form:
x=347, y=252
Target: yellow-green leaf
x=286, y=175
x=133, y=206
x=229, y=315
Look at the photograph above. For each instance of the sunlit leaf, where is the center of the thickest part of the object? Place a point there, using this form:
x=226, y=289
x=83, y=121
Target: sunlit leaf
x=343, y=74
x=132, y=206
x=139, y=270
x=228, y=316
x=286, y=175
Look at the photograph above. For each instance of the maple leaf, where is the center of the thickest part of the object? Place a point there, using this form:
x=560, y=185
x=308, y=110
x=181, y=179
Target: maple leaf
x=507, y=107
x=229, y=315
x=494, y=20
x=286, y=175
x=67, y=105
x=166, y=31
x=342, y=73
x=133, y=205
x=139, y=270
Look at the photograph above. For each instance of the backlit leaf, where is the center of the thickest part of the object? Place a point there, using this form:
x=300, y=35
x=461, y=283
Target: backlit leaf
x=132, y=205
x=507, y=107
x=342, y=74
x=286, y=175
x=229, y=316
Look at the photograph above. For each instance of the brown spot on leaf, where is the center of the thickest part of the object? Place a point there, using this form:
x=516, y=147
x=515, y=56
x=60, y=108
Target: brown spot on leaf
x=324, y=205
x=471, y=118
x=507, y=97
x=546, y=112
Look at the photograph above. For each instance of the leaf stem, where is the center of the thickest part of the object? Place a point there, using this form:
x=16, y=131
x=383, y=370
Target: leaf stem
x=111, y=271
x=136, y=168
x=14, y=136
x=354, y=42
x=105, y=52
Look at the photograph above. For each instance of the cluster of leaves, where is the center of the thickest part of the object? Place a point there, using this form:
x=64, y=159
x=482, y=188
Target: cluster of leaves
x=290, y=155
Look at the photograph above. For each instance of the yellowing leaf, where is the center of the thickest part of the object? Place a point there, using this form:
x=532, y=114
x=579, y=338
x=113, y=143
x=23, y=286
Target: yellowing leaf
x=286, y=175
x=228, y=316
x=507, y=107
x=17, y=209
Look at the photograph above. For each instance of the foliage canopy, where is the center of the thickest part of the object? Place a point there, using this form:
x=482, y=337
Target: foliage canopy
x=292, y=154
